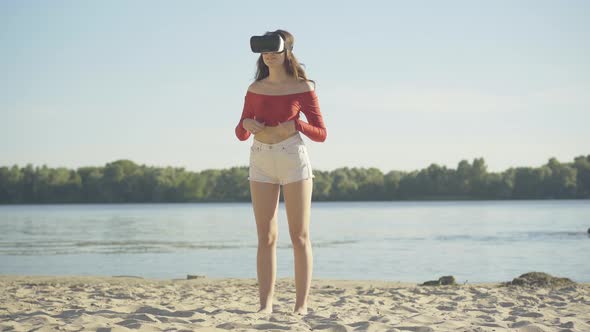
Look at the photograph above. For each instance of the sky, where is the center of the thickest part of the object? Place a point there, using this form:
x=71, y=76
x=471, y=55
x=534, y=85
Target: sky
x=401, y=84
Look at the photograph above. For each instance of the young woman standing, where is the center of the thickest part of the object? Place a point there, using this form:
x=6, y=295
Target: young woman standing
x=278, y=156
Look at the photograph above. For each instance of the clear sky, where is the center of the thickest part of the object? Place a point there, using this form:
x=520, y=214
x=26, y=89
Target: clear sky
x=401, y=84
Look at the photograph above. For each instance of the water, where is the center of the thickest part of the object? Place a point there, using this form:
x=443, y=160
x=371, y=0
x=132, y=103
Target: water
x=475, y=241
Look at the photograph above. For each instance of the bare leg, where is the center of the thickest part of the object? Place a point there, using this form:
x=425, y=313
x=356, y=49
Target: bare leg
x=298, y=205
x=265, y=201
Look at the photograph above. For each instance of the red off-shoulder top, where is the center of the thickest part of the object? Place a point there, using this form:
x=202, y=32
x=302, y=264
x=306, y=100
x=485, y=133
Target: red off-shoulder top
x=272, y=109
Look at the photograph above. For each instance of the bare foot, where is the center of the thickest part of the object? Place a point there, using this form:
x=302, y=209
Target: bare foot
x=265, y=310
x=300, y=311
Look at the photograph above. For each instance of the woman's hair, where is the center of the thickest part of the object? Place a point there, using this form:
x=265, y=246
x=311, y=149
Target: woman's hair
x=292, y=66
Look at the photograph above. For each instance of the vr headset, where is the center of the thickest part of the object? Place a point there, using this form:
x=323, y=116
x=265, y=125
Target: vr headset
x=268, y=43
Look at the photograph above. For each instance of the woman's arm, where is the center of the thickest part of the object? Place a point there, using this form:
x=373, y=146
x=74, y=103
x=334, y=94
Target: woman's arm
x=241, y=133
x=316, y=128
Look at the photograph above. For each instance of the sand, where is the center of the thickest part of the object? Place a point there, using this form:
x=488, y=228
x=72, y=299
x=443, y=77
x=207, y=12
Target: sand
x=85, y=303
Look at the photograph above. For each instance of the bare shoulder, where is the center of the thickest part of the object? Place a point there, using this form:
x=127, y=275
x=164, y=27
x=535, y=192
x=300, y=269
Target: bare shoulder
x=307, y=86
x=254, y=87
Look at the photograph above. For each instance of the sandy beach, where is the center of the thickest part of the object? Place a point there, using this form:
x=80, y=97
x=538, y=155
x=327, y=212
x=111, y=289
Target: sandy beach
x=121, y=303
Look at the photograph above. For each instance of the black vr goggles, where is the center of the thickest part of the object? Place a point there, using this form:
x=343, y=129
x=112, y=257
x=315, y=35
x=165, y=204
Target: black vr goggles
x=268, y=43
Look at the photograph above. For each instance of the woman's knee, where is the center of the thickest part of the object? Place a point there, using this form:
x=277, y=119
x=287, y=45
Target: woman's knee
x=300, y=240
x=268, y=239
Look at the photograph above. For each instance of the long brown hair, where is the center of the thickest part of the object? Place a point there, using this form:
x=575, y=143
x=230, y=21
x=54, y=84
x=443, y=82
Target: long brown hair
x=291, y=64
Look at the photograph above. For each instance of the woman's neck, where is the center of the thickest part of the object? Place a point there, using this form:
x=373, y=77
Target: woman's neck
x=279, y=77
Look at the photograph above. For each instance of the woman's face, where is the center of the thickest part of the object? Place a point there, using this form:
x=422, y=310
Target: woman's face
x=273, y=58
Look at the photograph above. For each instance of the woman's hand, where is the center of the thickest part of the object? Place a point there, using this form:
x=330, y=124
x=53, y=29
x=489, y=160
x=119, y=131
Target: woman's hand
x=288, y=127
x=253, y=126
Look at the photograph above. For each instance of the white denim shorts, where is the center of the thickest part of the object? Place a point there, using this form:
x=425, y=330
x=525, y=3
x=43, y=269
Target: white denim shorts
x=283, y=162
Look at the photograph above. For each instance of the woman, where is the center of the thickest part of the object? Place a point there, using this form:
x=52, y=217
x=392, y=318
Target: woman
x=278, y=156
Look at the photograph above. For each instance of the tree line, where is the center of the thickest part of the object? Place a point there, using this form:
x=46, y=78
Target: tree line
x=123, y=181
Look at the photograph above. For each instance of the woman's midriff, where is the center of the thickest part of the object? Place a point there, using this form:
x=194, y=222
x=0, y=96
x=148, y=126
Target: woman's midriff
x=270, y=135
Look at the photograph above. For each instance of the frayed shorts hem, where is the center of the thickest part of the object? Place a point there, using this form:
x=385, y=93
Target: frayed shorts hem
x=278, y=182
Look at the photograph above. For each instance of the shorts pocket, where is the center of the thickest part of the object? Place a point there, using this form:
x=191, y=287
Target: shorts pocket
x=294, y=149
x=254, y=153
